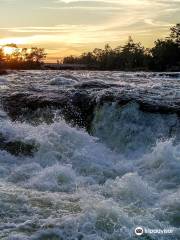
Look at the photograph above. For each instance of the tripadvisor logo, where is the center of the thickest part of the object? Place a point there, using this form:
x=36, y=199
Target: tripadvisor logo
x=139, y=231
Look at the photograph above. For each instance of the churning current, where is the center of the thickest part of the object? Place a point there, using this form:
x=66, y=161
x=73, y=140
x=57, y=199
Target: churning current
x=89, y=155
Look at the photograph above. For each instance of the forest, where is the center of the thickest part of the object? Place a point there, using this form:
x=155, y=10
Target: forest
x=163, y=56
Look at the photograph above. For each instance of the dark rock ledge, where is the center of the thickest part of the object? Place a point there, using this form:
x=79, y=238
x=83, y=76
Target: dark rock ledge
x=77, y=105
x=17, y=148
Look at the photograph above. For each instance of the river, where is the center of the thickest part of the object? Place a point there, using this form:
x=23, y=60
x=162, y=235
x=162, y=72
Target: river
x=89, y=155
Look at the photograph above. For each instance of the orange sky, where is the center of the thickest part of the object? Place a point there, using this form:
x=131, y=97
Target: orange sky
x=71, y=27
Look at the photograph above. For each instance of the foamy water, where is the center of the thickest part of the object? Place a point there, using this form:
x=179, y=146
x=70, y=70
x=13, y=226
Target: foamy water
x=99, y=185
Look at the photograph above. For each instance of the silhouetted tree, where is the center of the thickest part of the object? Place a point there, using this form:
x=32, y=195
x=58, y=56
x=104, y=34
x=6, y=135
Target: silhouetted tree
x=165, y=55
x=1, y=55
x=87, y=58
x=175, y=33
x=70, y=60
x=13, y=45
x=132, y=55
x=36, y=55
x=22, y=58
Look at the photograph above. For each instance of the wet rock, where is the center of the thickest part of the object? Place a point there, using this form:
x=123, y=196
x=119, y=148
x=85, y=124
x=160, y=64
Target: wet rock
x=75, y=107
x=170, y=75
x=3, y=72
x=17, y=148
x=76, y=103
x=93, y=84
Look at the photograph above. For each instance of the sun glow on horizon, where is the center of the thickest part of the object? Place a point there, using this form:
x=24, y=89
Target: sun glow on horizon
x=71, y=27
x=9, y=50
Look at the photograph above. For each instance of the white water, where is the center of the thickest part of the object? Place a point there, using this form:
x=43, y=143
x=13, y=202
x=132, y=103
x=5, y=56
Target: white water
x=128, y=129
x=77, y=186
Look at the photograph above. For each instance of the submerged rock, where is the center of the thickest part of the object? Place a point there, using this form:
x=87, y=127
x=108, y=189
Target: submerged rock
x=93, y=85
x=17, y=147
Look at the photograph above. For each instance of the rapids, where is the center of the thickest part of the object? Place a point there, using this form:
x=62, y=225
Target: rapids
x=62, y=180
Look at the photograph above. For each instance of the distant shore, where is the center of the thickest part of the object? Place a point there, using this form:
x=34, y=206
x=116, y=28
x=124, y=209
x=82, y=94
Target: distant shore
x=75, y=68
x=164, y=56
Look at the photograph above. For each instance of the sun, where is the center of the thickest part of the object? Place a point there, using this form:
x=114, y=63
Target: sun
x=8, y=50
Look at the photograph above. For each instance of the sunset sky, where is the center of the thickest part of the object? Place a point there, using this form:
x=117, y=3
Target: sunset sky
x=74, y=26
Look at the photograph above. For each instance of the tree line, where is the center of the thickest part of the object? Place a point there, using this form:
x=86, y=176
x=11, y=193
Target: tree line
x=163, y=56
x=21, y=58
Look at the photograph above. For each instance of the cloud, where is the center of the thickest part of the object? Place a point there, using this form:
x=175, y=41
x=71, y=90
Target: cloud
x=77, y=25
x=94, y=5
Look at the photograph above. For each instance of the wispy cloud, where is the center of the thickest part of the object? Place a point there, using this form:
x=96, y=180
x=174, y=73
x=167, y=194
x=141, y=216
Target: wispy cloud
x=77, y=25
